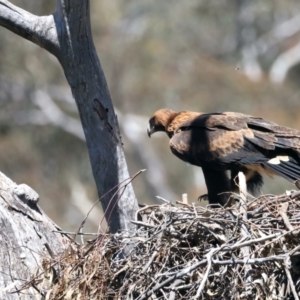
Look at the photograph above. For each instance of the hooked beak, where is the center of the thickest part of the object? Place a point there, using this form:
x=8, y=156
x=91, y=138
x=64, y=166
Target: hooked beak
x=150, y=130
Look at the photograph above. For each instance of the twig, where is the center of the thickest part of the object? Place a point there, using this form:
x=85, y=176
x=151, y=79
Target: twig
x=77, y=233
x=122, y=187
x=291, y=283
x=204, y=279
x=173, y=286
x=251, y=242
x=251, y=261
x=143, y=224
x=294, y=250
x=295, y=195
x=151, y=259
x=164, y=200
x=244, y=230
x=178, y=275
x=282, y=211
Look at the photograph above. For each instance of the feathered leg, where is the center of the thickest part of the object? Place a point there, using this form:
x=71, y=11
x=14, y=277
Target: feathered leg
x=218, y=186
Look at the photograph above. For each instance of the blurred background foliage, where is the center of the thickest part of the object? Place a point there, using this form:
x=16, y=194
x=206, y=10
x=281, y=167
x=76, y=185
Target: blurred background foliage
x=201, y=55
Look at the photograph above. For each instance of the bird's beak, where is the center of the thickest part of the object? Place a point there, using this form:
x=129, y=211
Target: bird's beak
x=149, y=131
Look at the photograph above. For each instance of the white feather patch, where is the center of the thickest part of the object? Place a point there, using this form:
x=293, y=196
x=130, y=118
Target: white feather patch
x=276, y=160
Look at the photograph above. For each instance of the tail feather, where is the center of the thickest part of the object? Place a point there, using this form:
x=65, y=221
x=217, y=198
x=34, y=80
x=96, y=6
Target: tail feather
x=290, y=170
x=281, y=172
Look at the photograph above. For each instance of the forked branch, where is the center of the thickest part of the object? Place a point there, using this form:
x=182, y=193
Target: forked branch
x=39, y=30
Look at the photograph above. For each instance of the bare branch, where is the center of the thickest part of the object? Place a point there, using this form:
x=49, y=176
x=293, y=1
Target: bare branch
x=39, y=30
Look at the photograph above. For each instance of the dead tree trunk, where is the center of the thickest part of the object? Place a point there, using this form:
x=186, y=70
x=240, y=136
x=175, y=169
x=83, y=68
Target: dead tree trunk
x=27, y=236
x=67, y=35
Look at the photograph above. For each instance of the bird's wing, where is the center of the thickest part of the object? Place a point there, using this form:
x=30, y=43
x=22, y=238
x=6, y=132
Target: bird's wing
x=231, y=139
x=210, y=138
x=230, y=125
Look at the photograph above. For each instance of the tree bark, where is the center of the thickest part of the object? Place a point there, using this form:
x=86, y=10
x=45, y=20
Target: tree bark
x=67, y=35
x=26, y=238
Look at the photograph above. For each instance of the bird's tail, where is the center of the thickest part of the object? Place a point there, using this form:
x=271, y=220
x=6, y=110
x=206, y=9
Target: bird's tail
x=288, y=168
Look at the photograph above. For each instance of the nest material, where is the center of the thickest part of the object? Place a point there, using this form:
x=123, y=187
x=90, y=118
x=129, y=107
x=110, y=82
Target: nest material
x=242, y=252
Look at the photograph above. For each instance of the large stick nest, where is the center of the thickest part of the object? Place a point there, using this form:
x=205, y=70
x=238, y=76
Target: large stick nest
x=242, y=252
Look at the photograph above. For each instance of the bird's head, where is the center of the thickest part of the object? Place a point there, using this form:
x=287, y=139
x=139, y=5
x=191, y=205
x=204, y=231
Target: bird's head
x=160, y=121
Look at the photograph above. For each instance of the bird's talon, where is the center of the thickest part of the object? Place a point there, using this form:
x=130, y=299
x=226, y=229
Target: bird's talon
x=203, y=198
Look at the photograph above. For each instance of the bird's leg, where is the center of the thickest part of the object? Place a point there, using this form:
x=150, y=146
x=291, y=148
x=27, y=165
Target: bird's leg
x=218, y=186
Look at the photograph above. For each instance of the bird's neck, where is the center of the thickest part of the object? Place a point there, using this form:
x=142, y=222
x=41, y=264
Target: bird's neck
x=169, y=124
x=177, y=119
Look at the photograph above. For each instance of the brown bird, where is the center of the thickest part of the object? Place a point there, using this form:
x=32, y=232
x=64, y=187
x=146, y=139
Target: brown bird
x=232, y=141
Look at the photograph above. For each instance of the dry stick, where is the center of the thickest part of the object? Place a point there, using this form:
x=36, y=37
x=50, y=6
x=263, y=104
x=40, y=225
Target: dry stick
x=144, y=208
x=195, y=210
x=244, y=231
x=163, y=292
x=88, y=213
x=164, y=200
x=173, y=286
x=251, y=261
x=151, y=259
x=79, y=233
x=256, y=211
x=126, y=182
x=170, y=279
x=281, y=291
x=283, y=210
x=204, y=279
x=294, y=250
x=140, y=223
x=295, y=195
x=290, y=279
x=183, y=203
x=278, y=237
x=184, y=287
x=240, y=245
